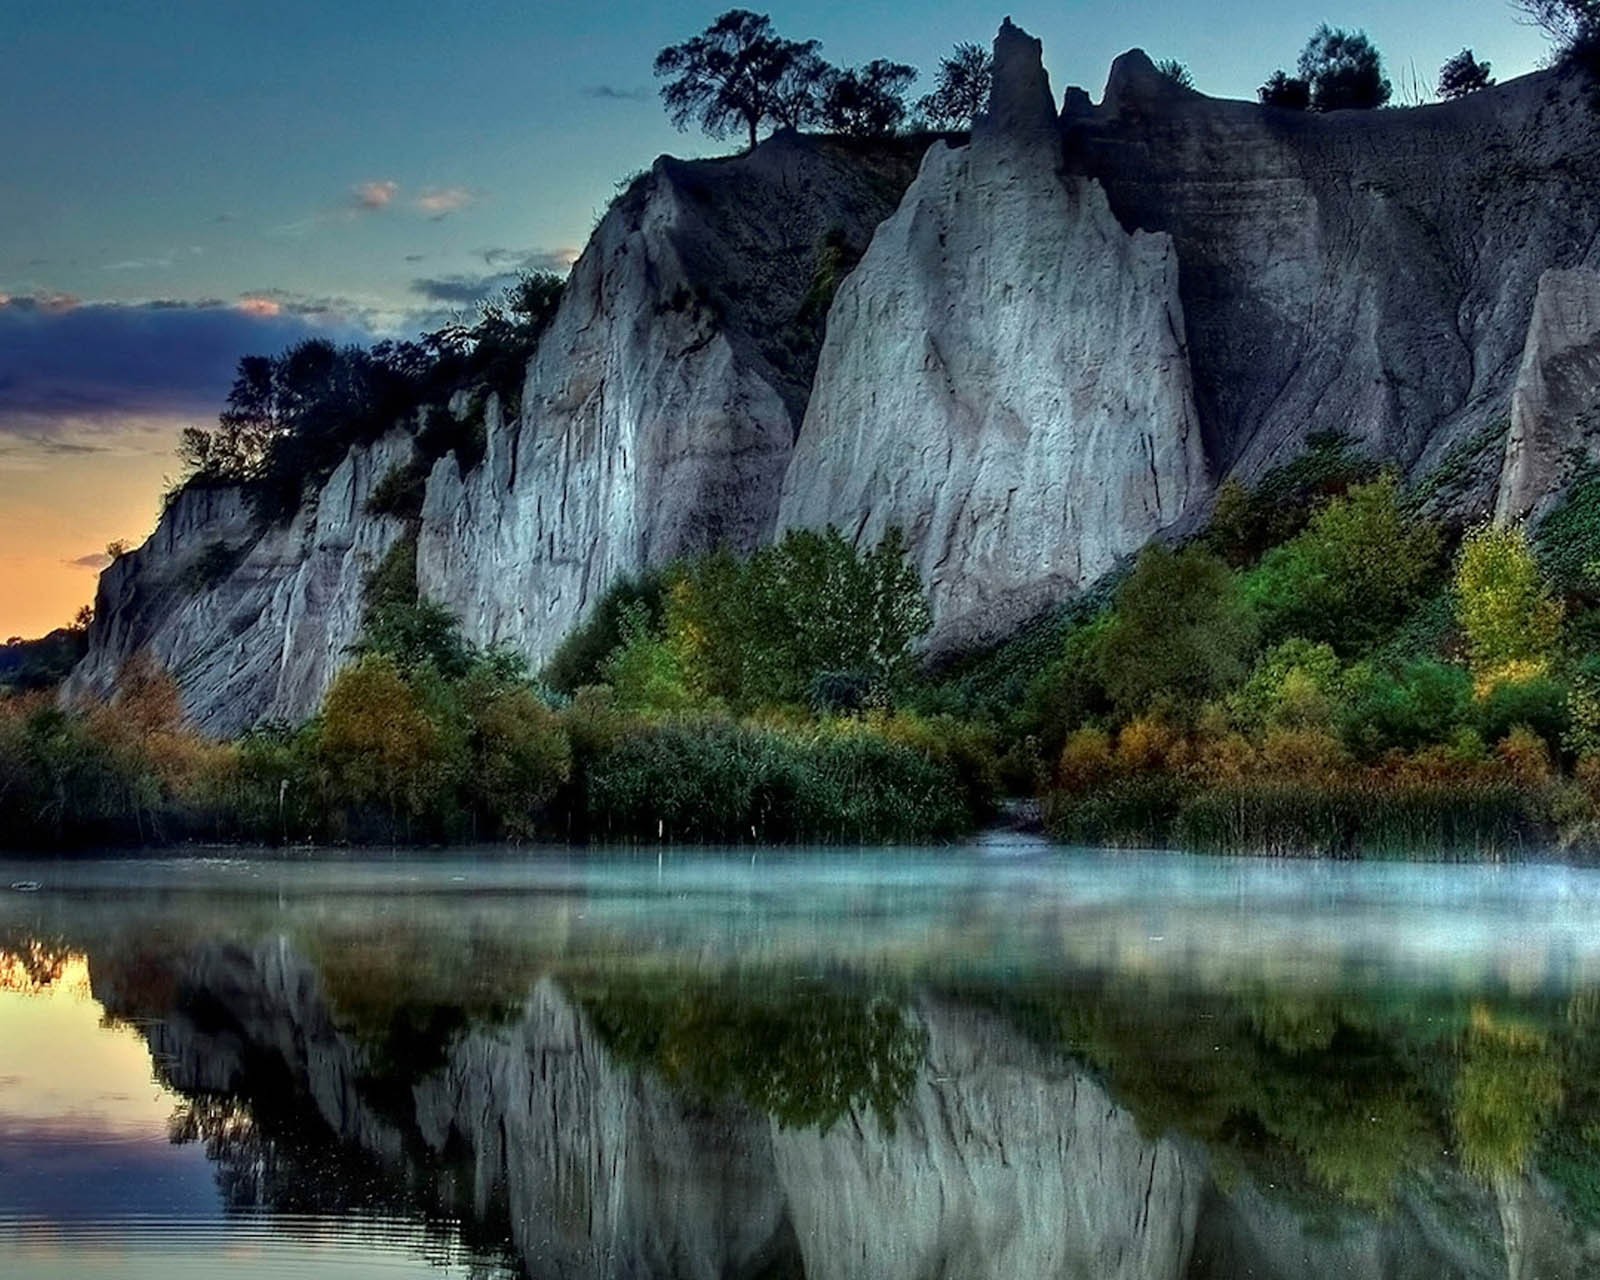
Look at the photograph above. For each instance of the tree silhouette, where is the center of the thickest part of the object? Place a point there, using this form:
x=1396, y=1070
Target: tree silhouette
x=1176, y=72
x=1344, y=71
x=1463, y=74
x=960, y=88
x=1285, y=92
x=868, y=101
x=740, y=74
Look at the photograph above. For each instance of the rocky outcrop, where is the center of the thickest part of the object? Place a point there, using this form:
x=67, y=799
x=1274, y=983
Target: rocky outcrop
x=1005, y=377
x=1555, y=406
x=661, y=409
x=1369, y=272
x=253, y=621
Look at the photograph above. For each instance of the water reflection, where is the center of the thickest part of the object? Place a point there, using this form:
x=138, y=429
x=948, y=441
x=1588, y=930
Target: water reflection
x=952, y=1066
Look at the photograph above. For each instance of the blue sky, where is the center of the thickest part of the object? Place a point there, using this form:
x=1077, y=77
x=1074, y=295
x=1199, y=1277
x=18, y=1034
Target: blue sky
x=262, y=171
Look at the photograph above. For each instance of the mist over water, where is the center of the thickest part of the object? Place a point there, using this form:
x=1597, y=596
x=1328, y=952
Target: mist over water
x=998, y=1059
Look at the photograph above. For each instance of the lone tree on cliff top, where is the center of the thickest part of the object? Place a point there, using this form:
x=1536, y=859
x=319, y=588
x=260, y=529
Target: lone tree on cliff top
x=960, y=88
x=739, y=73
x=1463, y=74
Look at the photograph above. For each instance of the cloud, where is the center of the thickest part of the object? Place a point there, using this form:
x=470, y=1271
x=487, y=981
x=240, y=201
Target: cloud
x=95, y=560
x=75, y=376
x=370, y=197
x=415, y=258
x=440, y=202
x=615, y=93
x=514, y=260
x=457, y=291
x=140, y=264
x=463, y=290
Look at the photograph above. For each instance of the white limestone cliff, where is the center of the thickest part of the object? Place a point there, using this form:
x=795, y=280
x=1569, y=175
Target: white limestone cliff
x=260, y=636
x=1004, y=377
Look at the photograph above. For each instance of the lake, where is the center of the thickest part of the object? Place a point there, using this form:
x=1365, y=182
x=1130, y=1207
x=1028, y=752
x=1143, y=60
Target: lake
x=1000, y=1060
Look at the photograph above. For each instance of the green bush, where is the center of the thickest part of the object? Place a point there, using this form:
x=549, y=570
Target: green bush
x=579, y=658
x=1539, y=704
x=1179, y=634
x=1423, y=704
x=1353, y=574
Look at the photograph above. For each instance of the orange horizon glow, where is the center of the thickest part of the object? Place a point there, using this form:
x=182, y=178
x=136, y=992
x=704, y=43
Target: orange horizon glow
x=57, y=509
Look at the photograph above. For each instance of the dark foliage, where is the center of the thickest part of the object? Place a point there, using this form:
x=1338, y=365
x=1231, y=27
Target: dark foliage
x=1463, y=74
x=960, y=88
x=1344, y=71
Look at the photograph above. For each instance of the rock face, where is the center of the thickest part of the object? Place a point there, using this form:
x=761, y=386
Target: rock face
x=254, y=623
x=1555, y=407
x=661, y=409
x=1005, y=376
x=1370, y=272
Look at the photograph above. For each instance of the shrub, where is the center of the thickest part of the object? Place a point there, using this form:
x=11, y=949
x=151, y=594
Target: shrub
x=1344, y=71
x=1086, y=760
x=1423, y=704
x=1463, y=74
x=1245, y=523
x=519, y=756
x=722, y=782
x=580, y=657
x=377, y=744
x=1293, y=684
x=1537, y=705
x=400, y=493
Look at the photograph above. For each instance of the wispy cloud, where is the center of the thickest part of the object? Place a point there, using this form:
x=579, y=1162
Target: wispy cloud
x=617, y=93
x=462, y=289
x=370, y=197
x=439, y=203
x=513, y=260
x=95, y=560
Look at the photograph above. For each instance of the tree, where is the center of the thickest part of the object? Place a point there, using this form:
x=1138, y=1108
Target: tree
x=868, y=101
x=1344, y=71
x=1176, y=72
x=377, y=742
x=1463, y=74
x=1180, y=632
x=739, y=73
x=960, y=88
x=1285, y=92
x=1354, y=572
x=1512, y=623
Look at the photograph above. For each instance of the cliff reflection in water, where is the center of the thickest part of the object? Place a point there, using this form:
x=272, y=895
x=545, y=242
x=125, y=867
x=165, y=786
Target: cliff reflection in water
x=583, y=1089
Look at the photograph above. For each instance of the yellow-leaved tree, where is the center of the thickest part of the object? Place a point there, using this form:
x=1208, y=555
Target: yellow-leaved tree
x=1511, y=622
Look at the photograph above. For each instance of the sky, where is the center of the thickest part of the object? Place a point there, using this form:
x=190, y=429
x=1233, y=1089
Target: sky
x=186, y=181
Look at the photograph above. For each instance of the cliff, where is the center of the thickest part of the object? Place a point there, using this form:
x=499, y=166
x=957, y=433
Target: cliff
x=660, y=412
x=1059, y=339
x=253, y=621
x=1005, y=376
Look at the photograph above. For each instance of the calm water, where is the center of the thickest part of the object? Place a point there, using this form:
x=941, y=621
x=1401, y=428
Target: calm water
x=999, y=1061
